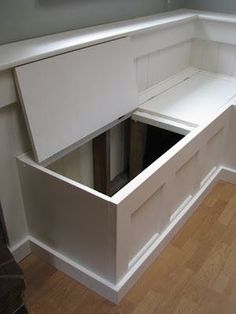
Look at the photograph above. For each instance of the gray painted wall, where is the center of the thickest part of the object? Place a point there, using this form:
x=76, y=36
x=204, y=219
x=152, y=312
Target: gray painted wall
x=225, y=6
x=21, y=19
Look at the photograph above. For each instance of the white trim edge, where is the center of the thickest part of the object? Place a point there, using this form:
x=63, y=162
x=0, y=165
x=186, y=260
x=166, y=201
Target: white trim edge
x=228, y=175
x=21, y=249
x=74, y=270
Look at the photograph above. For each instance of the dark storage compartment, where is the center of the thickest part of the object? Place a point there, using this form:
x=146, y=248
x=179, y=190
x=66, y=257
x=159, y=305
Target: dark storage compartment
x=147, y=144
x=129, y=147
x=158, y=141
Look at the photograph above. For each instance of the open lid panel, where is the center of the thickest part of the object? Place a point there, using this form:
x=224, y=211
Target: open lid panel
x=70, y=96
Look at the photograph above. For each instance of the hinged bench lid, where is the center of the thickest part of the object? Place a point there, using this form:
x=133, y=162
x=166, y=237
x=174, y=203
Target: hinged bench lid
x=67, y=97
x=182, y=103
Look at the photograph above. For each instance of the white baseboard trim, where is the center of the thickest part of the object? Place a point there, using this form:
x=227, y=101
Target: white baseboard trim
x=115, y=293
x=21, y=249
x=228, y=175
x=74, y=270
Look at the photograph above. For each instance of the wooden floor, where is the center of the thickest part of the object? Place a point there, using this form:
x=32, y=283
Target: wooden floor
x=196, y=273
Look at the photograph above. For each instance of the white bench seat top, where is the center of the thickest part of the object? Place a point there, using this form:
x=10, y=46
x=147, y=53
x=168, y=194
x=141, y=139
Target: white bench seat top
x=191, y=101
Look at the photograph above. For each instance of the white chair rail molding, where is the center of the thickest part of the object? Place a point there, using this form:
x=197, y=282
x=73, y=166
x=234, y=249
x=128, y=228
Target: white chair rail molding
x=112, y=136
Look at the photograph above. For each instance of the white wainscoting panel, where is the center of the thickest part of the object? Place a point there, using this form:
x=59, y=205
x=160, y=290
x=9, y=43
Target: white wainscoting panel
x=146, y=221
x=162, y=64
x=142, y=72
x=227, y=59
x=7, y=88
x=187, y=176
x=13, y=141
x=218, y=31
x=150, y=41
x=174, y=60
x=210, y=56
x=214, y=56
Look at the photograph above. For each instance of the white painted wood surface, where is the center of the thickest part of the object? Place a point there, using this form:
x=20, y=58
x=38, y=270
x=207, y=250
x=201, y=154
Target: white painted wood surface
x=162, y=64
x=215, y=30
x=161, y=87
x=77, y=165
x=179, y=172
x=194, y=100
x=70, y=219
x=18, y=53
x=162, y=123
x=13, y=142
x=209, y=26
x=150, y=41
x=213, y=27
x=68, y=97
x=212, y=56
x=229, y=148
x=148, y=219
x=7, y=89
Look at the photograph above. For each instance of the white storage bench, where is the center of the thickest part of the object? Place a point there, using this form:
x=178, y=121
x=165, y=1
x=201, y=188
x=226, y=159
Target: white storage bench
x=102, y=238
